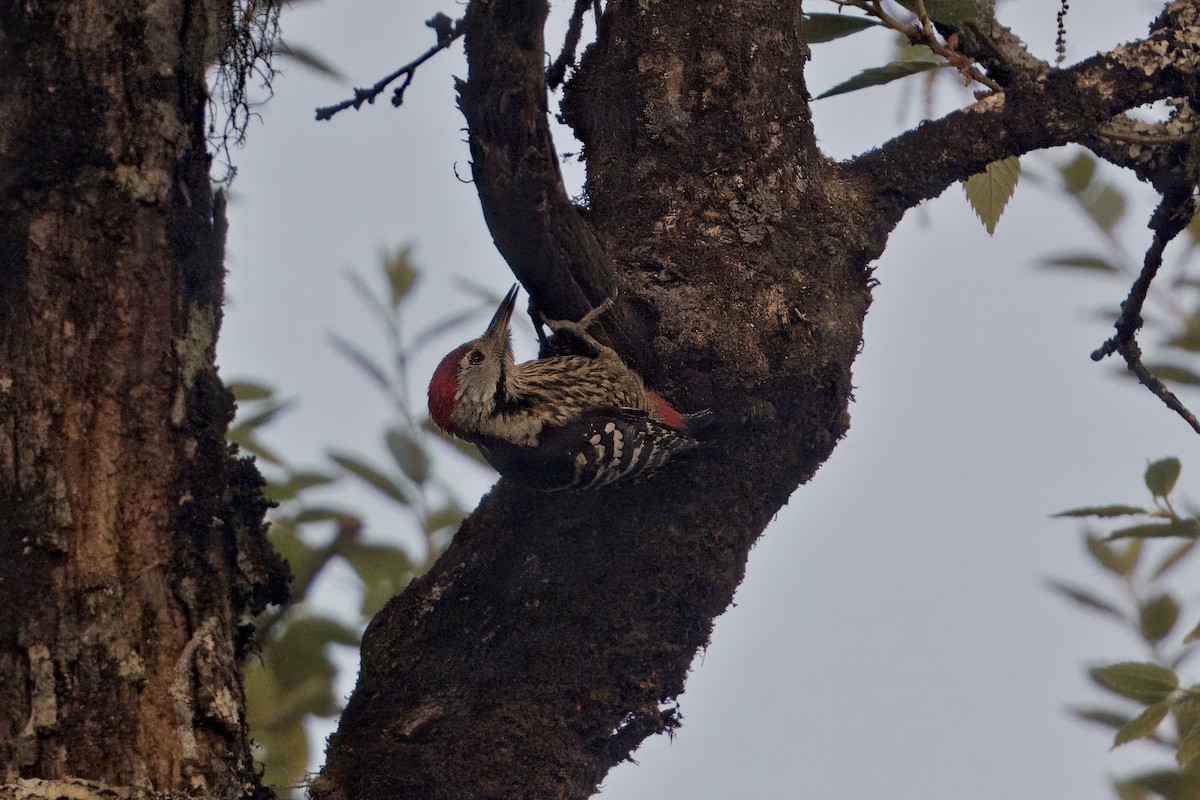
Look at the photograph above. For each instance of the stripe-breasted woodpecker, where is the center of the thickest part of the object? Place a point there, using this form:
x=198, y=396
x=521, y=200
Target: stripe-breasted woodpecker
x=561, y=422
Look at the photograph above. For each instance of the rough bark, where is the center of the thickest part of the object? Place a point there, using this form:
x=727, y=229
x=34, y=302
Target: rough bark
x=131, y=541
x=555, y=633
x=557, y=630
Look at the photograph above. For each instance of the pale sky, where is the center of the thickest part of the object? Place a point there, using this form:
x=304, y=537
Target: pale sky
x=893, y=636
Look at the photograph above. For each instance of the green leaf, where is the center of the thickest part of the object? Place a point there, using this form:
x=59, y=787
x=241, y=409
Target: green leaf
x=295, y=483
x=951, y=12
x=311, y=514
x=1173, y=558
x=1118, y=563
x=1109, y=719
x=409, y=455
x=1146, y=683
x=384, y=571
x=1157, y=617
x=309, y=58
x=448, y=516
x=1189, y=748
x=1142, y=725
x=370, y=475
x=1130, y=791
x=244, y=439
x=244, y=391
x=1085, y=261
x=260, y=418
x=1164, y=782
x=361, y=359
x=820, y=28
x=1193, y=635
x=1102, y=511
x=1183, y=528
x=401, y=274
x=1162, y=475
x=1078, y=173
x=1174, y=374
x=989, y=191
x=1085, y=598
x=1106, y=207
x=915, y=59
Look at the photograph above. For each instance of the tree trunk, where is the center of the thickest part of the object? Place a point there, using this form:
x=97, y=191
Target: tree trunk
x=131, y=541
x=555, y=633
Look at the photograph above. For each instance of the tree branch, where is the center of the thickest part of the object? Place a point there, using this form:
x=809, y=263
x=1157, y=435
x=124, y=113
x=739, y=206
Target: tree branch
x=447, y=31
x=1169, y=220
x=537, y=229
x=1067, y=106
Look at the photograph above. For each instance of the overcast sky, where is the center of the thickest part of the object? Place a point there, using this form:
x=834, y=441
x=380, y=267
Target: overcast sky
x=893, y=636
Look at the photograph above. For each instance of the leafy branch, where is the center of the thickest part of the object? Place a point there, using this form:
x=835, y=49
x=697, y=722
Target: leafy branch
x=1151, y=609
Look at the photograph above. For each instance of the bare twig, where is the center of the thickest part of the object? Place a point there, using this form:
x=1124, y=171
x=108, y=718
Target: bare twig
x=1169, y=219
x=558, y=70
x=447, y=31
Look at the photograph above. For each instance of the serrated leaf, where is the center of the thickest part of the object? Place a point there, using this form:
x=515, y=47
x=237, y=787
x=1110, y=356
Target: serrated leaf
x=1157, y=617
x=409, y=455
x=1189, y=748
x=371, y=476
x=1109, y=719
x=1077, y=174
x=246, y=391
x=820, y=28
x=1161, y=475
x=1102, y=511
x=1146, y=683
x=1184, y=528
x=951, y=12
x=1085, y=598
x=989, y=191
x=361, y=360
x=918, y=58
x=1085, y=261
x=1118, y=563
x=1143, y=725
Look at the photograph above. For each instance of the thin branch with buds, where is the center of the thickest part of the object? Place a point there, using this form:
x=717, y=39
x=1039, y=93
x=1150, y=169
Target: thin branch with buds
x=1169, y=220
x=447, y=31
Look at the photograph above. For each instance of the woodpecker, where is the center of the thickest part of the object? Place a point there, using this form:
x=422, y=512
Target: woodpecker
x=561, y=422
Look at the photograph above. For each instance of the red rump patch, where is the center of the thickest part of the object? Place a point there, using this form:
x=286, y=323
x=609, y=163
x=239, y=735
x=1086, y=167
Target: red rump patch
x=442, y=388
x=666, y=412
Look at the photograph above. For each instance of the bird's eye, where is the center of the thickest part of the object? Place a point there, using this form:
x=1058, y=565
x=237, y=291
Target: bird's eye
x=475, y=357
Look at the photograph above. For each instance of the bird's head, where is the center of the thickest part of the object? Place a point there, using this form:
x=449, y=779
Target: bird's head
x=470, y=380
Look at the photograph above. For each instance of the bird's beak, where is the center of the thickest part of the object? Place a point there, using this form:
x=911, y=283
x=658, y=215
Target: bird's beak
x=498, y=327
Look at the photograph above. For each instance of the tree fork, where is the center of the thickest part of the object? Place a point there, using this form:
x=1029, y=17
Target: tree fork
x=555, y=633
